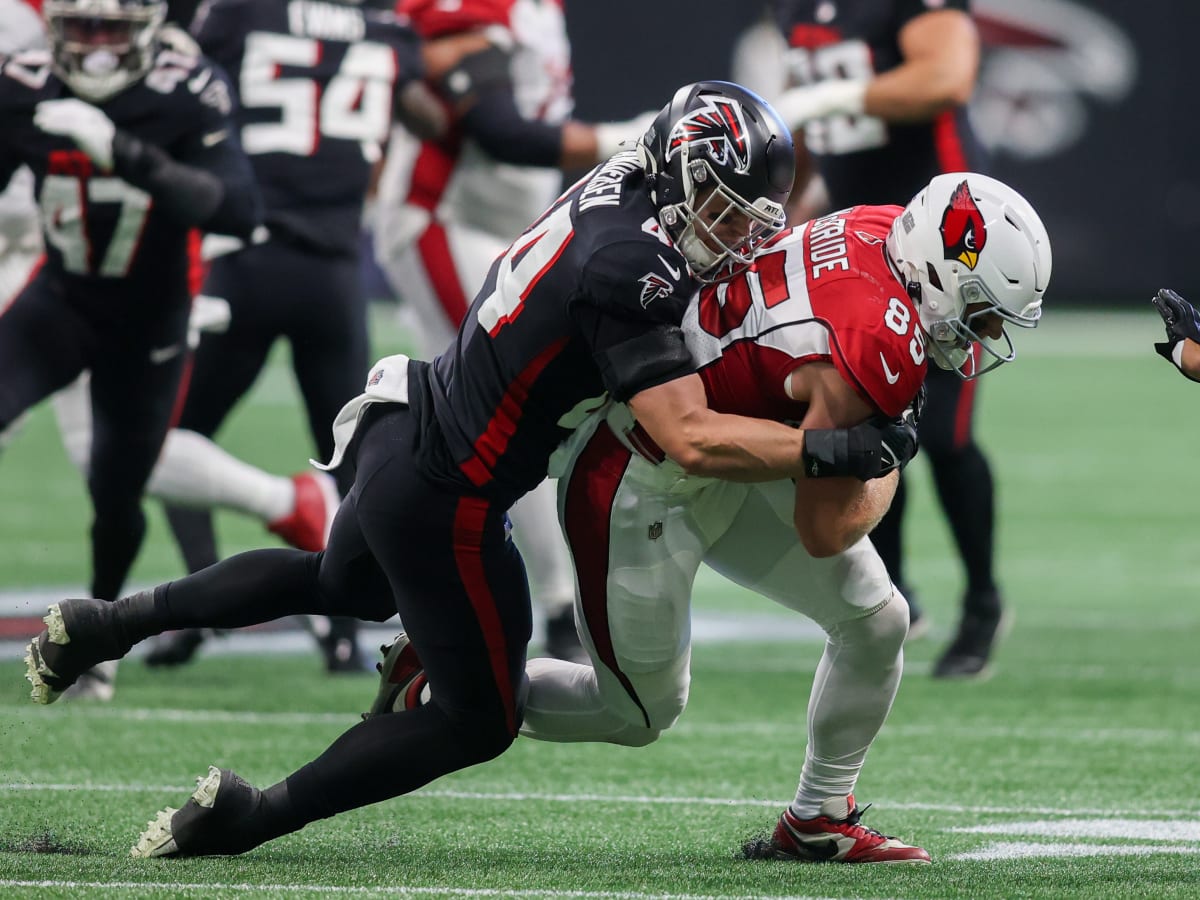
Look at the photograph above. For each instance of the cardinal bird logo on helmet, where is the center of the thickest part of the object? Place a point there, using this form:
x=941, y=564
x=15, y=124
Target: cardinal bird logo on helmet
x=717, y=128
x=963, y=231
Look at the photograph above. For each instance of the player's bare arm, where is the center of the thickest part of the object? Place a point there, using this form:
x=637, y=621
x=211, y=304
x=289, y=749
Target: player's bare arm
x=941, y=58
x=832, y=514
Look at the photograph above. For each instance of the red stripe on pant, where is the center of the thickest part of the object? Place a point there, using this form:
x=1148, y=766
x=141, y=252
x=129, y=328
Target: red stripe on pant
x=434, y=247
x=470, y=522
x=591, y=492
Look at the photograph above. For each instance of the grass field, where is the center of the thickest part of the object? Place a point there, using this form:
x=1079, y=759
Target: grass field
x=1071, y=772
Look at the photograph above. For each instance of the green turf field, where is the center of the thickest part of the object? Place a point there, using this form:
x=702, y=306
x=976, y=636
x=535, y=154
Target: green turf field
x=1071, y=772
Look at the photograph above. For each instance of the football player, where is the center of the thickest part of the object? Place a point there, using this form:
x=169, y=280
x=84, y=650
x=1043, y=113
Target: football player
x=834, y=326
x=446, y=208
x=587, y=302
x=1182, y=345
x=132, y=150
x=880, y=91
x=319, y=84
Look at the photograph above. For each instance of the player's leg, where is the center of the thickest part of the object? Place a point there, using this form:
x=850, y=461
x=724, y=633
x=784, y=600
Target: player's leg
x=636, y=551
x=851, y=597
x=472, y=640
x=966, y=492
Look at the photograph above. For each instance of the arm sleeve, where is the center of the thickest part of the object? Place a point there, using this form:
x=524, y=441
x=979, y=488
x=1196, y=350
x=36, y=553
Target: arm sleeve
x=206, y=180
x=637, y=343
x=482, y=84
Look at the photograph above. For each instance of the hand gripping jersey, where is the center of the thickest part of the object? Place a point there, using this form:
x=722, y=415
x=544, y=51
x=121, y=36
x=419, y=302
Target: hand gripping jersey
x=587, y=301
x=864, y=159
x=822, y=293
x=316, y=83
x=453, y=178
x=102, y=234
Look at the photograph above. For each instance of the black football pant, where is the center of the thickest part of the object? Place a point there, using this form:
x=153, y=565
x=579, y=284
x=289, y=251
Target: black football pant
x=963, y=482
x=276, y=289
x=444, y=562
x=136, y=360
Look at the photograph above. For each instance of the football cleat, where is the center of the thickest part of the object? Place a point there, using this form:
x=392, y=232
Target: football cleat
x=78, y=635
x=97, y=683
x=968, y=654
x=562, y=638
x=215, y=821
x=401, y=678
x=307, y=526
x=833, y=836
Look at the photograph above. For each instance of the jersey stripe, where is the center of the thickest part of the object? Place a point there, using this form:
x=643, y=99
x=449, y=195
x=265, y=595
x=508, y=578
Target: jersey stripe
x=503, y=425
x=946, y=138
x=591, y=494
x=470, y=522
x=965, y=407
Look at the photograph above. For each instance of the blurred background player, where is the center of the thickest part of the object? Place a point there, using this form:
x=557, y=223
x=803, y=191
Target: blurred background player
x=446, y=208
x=131, y=147
x=191, y=469
x=879, y=89
x=318, y=86
x=1182, y=345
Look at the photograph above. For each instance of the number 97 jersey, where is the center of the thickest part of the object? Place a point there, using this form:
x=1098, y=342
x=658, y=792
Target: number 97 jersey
x=823, y=292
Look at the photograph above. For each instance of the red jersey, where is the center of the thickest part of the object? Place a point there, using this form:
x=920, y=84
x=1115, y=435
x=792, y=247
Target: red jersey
x=822, y=292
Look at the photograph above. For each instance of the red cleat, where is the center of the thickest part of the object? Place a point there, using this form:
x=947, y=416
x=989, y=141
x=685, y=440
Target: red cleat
x=401, y=678
x=307, y=526
x=833, y=836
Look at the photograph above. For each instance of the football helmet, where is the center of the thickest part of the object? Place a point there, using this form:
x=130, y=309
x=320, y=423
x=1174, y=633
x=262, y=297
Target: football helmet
x=101, y=47
x=719, y=167
x=968, y=246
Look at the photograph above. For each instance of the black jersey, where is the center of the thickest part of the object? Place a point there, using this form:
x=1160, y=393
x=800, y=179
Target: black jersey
x=863, y=159
x=112, y=246
x=316, y=83
x=587, y=301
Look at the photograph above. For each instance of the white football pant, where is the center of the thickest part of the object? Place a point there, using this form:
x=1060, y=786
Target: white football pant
x=638, y=533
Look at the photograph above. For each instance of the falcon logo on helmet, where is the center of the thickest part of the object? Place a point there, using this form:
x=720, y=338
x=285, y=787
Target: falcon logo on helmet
x=962, y=228
x=718, y=128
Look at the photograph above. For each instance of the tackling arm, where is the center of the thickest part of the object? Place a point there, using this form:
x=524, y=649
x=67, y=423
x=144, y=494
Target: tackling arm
x=833, y=514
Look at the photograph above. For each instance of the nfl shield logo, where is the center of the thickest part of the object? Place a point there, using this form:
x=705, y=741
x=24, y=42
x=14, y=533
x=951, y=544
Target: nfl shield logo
x=376, y=377
x=655, y=531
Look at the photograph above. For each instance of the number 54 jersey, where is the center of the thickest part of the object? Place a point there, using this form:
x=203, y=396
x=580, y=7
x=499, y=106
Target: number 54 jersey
x=316, y=84
x=823, y=292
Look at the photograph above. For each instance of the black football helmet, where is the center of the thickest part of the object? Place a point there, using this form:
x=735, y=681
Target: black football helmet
x=101, y=47
x=719, y=166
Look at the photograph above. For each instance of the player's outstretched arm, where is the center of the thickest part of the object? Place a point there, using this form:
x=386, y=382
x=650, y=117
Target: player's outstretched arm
x=1182, y=344
x=740, y=448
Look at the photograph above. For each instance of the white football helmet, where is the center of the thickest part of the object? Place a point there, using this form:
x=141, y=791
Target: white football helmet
x=966, y=246
x=101, y=47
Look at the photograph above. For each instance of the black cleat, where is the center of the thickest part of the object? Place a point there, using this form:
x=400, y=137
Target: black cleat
x=176, y=649
x=562, y=638
x=968, y=654
x=215, y=821
x=78, y=635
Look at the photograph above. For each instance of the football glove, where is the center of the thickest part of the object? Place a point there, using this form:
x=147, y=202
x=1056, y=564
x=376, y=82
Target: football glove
x=90, y=129
x=801, y=105
x=1182, y=323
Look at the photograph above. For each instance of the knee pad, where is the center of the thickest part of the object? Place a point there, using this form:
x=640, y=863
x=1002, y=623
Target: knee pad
x=881, y=632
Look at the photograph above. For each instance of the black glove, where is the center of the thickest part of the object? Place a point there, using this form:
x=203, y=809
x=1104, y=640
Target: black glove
x=866, y=451
x=1181, y=319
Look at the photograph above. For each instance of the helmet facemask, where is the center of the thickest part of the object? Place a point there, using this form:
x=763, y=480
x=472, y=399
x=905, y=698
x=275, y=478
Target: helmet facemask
x=101, y=47
x=717, y=231
x=719, y=167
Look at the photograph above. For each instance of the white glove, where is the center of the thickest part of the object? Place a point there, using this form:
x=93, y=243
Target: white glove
x=90, y=129
x=611, y=135
x=828, y=98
